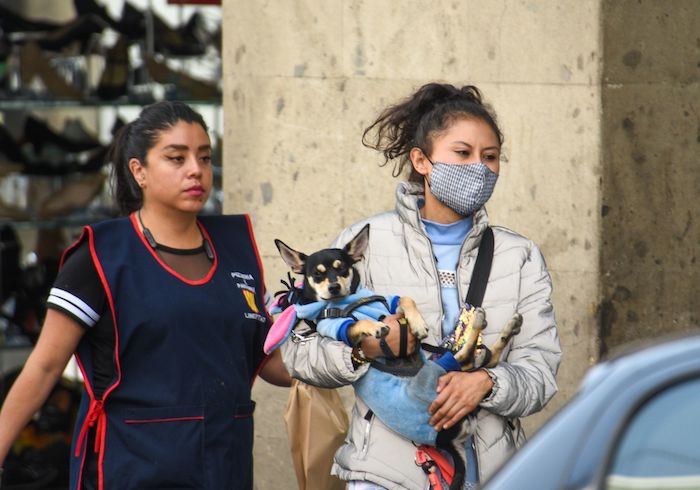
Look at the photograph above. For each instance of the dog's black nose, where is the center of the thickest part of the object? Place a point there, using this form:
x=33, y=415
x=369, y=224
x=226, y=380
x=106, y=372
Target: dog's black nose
x=334, y=288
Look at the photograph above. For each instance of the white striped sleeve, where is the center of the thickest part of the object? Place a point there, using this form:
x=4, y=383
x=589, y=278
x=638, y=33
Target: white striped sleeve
x=70, y=303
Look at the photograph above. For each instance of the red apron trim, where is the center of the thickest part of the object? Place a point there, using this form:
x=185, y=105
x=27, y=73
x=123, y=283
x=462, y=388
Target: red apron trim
x=100, y=433
x=95, y=417
x=110, y=300
x=100, y=464
x=165, y=266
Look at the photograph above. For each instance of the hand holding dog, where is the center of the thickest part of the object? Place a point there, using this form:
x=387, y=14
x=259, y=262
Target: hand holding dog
x=370, y=345
x=458, y=393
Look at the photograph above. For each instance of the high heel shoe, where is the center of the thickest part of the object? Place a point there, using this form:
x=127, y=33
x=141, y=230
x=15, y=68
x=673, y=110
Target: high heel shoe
x=11, y=21
x=53, y=161
x=187, y=87
x=80, y=30
x=131, y=24
x=34, y=63
x=72, y=196
x=38, y=133
x=186, y=41
x=114, y=79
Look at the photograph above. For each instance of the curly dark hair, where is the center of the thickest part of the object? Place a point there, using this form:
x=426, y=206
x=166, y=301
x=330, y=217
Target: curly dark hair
x=418, y=119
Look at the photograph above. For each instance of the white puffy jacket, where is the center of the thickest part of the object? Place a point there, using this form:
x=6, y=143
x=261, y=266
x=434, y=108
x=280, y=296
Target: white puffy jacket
x=400, y=261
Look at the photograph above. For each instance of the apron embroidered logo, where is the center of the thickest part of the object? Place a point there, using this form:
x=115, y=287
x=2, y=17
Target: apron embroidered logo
x=248, y=291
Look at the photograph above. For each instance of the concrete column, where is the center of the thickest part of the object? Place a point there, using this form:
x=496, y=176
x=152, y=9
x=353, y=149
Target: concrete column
x=597, y=101
x=651, y=150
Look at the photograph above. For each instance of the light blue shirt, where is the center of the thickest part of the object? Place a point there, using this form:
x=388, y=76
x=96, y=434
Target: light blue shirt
x=447, y=242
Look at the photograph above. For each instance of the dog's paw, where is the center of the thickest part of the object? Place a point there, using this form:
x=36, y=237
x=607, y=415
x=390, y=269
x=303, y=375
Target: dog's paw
x=382, y=330
x=418, y=327
x=513, y=326
x=366, y=328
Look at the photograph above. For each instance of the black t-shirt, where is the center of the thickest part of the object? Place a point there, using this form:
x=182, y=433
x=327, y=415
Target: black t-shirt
x=79, y=293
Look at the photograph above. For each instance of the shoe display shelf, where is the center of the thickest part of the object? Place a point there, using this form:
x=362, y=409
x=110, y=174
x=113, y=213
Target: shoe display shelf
x=51, y=177
x=103, y=68
x=64, y=92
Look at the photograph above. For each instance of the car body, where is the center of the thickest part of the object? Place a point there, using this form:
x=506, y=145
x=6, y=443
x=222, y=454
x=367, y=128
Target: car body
x=634, y=423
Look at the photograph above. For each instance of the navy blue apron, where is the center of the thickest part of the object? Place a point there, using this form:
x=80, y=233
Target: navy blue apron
x=179, y=412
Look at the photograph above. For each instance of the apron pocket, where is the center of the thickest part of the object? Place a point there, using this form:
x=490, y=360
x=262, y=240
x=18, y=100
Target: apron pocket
x=163, y=447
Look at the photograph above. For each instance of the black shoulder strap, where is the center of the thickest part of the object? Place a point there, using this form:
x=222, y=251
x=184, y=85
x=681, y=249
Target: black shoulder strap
x=482, y=269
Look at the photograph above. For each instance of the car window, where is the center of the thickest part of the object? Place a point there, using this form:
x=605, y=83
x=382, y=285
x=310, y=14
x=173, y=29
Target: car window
x=660, y=447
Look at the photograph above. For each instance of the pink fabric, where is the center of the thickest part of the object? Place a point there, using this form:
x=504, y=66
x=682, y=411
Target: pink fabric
x=280, y=330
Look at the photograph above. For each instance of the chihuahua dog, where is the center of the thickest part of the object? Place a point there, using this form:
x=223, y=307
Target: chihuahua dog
x=329, y=275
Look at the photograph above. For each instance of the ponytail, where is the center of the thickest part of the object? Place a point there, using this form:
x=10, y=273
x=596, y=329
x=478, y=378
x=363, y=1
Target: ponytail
x=127, y=193
x=415, y=121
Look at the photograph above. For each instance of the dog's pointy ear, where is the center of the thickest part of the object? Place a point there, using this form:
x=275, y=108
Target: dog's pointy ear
x=358, y=245
x=294, y=259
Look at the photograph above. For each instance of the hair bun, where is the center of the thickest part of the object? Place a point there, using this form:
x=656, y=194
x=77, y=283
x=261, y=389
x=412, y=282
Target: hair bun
x=471, y=93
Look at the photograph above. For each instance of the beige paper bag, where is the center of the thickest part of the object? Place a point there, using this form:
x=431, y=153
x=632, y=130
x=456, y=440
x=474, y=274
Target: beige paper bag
x=316, y=426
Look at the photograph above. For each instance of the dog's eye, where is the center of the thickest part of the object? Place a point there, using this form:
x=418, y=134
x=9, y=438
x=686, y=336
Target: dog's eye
x=317, y=275
x=342, y=270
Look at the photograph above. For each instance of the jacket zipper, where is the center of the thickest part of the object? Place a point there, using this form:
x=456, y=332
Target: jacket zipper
x=365, y=443
x=476, y=457
x=437, y=277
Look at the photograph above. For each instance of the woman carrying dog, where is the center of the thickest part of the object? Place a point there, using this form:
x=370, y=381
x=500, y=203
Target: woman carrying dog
x=426, y=249
x=164, y=311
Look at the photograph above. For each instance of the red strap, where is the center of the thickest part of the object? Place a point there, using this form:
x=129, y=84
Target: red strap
x=95, y=415
x=446, y=469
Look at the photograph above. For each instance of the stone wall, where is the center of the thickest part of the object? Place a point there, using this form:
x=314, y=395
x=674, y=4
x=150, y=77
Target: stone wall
x=598, y=103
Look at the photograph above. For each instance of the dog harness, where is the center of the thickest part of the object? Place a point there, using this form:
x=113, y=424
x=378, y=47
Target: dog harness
x=435, y=466
x=326, y=317
x=179, y=412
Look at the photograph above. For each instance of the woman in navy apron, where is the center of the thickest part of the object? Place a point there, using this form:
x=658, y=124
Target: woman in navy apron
x=165, y=313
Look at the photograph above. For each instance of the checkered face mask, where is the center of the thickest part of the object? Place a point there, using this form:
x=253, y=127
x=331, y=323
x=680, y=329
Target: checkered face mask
x=462, y=188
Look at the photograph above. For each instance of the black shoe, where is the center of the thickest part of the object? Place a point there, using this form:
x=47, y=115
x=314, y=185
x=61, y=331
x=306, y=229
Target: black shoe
x=13, y=22
x=191, y=39
x=186, y=86
x=178, y=42
x=131, y=24
x=38, y=133
x=114, y=79
x=53, y=161
x=80, y=30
